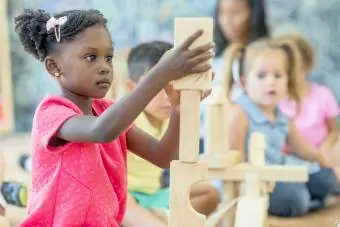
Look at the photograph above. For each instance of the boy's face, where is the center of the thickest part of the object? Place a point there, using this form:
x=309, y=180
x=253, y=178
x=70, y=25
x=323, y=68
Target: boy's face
x=159, y=107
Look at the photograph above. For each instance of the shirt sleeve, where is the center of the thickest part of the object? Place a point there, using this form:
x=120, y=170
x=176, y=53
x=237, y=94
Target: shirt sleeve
x=331, y=105
x=49, y=118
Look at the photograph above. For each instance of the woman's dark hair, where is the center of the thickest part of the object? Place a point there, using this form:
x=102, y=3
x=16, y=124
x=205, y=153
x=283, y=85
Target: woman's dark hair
x=258, y=26
x=31, y=29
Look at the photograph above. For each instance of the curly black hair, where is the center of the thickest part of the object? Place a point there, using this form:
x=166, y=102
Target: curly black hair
x=31, y=29
x=145, y=56
x=258, y=25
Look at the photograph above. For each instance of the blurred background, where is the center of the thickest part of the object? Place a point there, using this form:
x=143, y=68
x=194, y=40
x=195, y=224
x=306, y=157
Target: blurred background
x=135, y=21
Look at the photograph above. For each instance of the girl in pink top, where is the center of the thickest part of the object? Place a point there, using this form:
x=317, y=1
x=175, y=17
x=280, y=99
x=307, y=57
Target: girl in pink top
x=314, y=114
x=79, y=139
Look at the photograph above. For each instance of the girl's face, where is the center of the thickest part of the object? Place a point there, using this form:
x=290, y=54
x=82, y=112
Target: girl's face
x=267, y=80
x=85, y=64
x=234, y=19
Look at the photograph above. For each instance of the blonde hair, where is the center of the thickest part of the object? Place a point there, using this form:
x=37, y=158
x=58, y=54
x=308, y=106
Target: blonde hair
x=244, y=55
x=305, y=49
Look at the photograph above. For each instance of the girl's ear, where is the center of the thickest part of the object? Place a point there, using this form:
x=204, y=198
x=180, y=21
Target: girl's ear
x=52, y=66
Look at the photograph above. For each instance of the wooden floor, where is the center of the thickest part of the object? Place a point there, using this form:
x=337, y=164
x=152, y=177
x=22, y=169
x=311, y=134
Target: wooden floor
x=14, y=146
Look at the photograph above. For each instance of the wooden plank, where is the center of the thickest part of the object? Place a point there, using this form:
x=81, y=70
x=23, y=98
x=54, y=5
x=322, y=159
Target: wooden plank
x=189, y=126
x=251, y=212
x=183, y=28
x=266, y=173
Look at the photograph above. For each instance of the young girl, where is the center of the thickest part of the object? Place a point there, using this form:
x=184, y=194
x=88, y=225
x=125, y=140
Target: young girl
x=79, y=139
x=235, y=21
x=316, y=116
x=268, y=74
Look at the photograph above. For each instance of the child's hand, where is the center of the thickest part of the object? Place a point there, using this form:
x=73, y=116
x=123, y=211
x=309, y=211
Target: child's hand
x=324, y=161
x=181, y=61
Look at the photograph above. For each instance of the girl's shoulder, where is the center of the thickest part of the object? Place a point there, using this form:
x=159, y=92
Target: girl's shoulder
x=319, y=91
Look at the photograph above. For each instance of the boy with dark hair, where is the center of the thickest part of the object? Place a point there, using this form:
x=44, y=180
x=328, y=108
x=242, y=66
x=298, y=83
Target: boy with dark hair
x=148, y=200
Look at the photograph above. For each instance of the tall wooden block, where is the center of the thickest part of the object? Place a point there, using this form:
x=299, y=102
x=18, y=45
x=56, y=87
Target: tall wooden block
x=184, y=27
x=189, y=126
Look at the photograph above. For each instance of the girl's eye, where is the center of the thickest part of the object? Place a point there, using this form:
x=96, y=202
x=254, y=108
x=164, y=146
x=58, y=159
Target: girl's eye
x=109, y=58
x=90, y=57
x=277, y=75
x=262, y=75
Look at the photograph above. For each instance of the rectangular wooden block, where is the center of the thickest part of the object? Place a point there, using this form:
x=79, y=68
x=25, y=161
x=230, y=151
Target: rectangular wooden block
x=184, y=27
x=182, y=177
x=251, y=212
x=270, y=173
x=189, y=126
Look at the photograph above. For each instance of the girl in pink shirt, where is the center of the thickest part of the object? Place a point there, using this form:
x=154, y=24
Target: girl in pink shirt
x=79, y=139
x=314, y=114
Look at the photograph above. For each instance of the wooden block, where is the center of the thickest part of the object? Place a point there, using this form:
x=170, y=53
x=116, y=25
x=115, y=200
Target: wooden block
x=251, y=212
x=257, y=145
x=266, y=173
x=252, y=185
x=222, y=160
x=184, y=27
x=183, y=176
x=216, y=140
x=217, y=97
x=229, y=194
x=189, y=126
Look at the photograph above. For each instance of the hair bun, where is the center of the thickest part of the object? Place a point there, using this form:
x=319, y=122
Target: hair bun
x=31, y=29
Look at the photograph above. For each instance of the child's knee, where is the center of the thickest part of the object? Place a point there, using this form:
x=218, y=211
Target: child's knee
x=207, y=194
x=290, y=203
x=213, y=195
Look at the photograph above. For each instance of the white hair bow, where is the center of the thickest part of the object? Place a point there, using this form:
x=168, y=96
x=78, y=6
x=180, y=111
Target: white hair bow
x=54, y=23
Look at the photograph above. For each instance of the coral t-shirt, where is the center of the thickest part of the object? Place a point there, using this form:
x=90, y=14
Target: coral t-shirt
x=77, y=184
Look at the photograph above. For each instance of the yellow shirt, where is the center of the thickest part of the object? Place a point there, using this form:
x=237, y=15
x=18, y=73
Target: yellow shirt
x=142, y=175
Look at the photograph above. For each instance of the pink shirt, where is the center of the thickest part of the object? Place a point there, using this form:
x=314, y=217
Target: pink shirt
x=78, y=184
x=319, y=105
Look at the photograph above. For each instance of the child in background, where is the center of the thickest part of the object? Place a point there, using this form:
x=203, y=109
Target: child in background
x=144, y=178
x=315, y=118
x=80, y=140
x=268, y=74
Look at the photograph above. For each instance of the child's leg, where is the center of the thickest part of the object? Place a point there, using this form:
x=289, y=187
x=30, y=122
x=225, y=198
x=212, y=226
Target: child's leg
x=289, y=200
x=322, y=184
x=138, y=216
x=204, y=198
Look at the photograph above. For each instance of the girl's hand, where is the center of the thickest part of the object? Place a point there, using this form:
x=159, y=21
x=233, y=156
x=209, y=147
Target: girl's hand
x=180, y=61
x=323, y=160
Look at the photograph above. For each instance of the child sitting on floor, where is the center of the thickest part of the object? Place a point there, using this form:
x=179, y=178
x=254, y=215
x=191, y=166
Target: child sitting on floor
x=267, y=72
x=314, y=115
x=147, y=198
